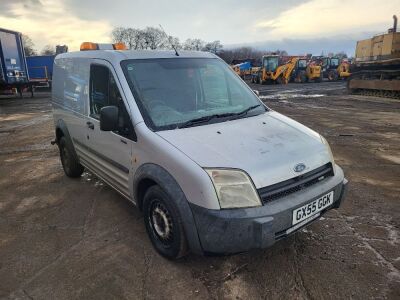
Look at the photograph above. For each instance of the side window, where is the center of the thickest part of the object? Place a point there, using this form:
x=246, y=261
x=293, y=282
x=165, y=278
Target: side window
x=104, y=92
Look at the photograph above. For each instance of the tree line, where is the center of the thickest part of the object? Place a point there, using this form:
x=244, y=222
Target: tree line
x=29, y=47
x=155, y=38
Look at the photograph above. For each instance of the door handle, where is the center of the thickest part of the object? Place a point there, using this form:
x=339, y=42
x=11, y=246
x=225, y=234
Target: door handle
x=90, y=125
x=123, y=141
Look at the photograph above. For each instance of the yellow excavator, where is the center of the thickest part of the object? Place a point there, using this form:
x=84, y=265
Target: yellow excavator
x=314, y=71
x=344, y=69
x=272, y=72
x=296, y=69
x=306, y=70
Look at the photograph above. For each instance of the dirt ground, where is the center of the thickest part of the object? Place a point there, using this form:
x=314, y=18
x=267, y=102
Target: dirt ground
x=65, y=239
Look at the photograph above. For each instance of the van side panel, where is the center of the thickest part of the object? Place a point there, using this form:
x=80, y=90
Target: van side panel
x=70, y=95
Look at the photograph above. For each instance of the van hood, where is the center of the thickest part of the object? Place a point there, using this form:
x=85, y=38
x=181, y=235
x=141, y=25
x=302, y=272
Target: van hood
x=267, y=146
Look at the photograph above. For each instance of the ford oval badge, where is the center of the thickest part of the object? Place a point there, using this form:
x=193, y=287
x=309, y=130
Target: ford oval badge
x=299, y=167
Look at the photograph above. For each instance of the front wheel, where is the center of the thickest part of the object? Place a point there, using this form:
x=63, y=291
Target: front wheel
x=164, y=224
x=333, y=76
x=71, y=166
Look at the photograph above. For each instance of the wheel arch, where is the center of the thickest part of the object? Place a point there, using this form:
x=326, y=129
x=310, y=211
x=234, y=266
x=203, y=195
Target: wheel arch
x=61, y=130
x=152, y=174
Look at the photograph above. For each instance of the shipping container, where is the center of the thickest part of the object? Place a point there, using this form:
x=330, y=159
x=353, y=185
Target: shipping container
x=40, y=69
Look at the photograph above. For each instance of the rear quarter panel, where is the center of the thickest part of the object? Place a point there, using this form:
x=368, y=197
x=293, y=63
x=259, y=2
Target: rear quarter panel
x=70, y=94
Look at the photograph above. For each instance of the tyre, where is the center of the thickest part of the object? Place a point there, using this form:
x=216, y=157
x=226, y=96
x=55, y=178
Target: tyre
x=332, y=76
x=72, y=167
x=302, y=77
x=164, y=224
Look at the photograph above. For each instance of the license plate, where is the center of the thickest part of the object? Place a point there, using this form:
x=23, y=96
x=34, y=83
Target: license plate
x=306, y=211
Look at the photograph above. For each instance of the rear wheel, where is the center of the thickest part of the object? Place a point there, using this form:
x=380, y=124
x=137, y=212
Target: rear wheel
x=71, y=166
x=302, y=77
x=333, y=76
x=164, y=224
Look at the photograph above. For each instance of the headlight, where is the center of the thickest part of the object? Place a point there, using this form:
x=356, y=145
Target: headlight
x=234, y=188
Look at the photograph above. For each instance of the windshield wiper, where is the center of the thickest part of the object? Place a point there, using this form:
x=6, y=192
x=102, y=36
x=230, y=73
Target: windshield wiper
x=206, y=119
x=200, y=120
x=244, y=112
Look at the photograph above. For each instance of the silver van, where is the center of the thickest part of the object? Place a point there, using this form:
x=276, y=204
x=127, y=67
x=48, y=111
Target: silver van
x=180, y=135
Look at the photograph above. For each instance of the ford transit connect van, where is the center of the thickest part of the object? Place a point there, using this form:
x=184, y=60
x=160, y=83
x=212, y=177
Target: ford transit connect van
x=180, y=135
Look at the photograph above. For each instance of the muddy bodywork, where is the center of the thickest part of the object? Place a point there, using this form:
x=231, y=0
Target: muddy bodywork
x=237, y=230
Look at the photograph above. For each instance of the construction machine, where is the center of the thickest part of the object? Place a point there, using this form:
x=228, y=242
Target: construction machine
x=306, y=70
x=299, y=74
x=314, y=71
x=344, y=69
x=376, y=69
x=272, y=71
x=330, y=68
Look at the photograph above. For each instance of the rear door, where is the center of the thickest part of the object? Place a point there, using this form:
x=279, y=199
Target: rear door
x=109, y=153
x=13, y=57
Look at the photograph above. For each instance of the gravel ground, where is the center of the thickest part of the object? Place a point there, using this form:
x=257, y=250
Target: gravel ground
x=65, y=239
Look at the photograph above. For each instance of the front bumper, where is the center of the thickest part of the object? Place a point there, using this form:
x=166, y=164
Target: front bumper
x=237, y=230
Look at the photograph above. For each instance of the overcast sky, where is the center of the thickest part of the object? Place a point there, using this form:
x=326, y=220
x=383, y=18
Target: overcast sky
x=258, y=22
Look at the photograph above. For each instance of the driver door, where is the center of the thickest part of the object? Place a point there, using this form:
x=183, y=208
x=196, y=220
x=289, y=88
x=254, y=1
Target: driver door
x=109, y=152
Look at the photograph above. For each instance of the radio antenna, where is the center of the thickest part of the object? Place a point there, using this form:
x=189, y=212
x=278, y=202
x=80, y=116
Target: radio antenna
x=169, y=40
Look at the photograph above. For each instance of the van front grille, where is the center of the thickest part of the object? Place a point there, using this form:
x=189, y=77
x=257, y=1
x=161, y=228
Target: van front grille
x=293, y=185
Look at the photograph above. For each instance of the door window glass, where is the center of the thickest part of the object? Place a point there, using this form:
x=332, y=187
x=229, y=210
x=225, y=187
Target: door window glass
x=105, y=92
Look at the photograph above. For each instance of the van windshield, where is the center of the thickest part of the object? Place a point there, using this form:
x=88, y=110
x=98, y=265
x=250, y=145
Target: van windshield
x=183, y=92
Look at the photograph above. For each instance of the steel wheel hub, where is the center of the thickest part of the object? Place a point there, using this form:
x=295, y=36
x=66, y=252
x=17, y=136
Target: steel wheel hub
x=161, y=222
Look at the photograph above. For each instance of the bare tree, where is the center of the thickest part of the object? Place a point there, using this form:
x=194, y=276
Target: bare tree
x=194, y=44
x=213, y=47
x=154, y=38
x=148, y=38
x=173, y=42
x=48, y=50
x=29, y=46
x=131, y=37
x=118, y=35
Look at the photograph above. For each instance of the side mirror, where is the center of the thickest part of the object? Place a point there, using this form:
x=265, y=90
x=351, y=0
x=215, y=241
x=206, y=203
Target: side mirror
x=109, y=118
x=256, y=92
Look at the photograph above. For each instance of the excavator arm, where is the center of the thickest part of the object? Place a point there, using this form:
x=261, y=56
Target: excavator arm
x=285, y=71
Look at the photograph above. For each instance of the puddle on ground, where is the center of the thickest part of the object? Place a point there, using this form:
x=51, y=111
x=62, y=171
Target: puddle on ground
x=87, y=176
x=283, y=96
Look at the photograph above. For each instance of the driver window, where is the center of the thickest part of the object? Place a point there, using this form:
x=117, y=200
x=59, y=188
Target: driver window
x=104, y=92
